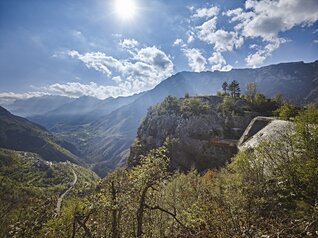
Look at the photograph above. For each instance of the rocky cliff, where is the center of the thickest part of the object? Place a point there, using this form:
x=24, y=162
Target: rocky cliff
x=203, y=136
x=262, y=129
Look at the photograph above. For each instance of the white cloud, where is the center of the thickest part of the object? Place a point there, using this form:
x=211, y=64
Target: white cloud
x=267, y=18
x=117, y=35
x=196, y=60
x=222, y=40
x=217, y=58
x=76, y=89
x=128, y=43
x=206, y=29
x=191, y=8
x=262, y=53
x=117, y=79
x=264, y=20
x=148, y=67
x=253, y=46
x=316, y=41
x=206, y=12
x=98, y=61
x=218, y=62
x=8, y=98
x=155, y=57
x=190, y=38
x=255, y=59
x=178, y=42
x=70, y=89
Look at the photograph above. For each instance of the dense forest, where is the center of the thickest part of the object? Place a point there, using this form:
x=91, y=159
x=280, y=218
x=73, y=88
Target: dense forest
x=267, y=191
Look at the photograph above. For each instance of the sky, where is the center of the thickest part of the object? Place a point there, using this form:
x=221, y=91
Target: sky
x=105, y=48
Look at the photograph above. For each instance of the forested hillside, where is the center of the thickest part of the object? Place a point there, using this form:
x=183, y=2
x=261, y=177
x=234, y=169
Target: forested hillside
x=30, y=188
x=17, y=133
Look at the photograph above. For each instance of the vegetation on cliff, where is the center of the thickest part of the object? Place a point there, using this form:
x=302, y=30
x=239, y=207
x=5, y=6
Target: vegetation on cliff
x=205, y=129
x=266, y=192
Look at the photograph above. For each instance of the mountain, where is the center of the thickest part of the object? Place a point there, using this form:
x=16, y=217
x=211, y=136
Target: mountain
x=17, y=133
x=37, y=105
x=107, y=140
x=104, y=130
x=80, y=111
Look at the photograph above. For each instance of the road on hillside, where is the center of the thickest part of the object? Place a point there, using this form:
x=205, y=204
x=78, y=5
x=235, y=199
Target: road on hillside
x=60, y=199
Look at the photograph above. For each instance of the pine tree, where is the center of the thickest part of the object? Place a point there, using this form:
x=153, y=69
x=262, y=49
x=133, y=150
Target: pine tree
x=225, y=87
x=234, y=89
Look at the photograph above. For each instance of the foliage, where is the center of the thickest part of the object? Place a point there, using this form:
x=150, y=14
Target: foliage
x=234, y=89
x=287, y=111
x=228, y=107
x=251, y=91
x=270, y=191
x=29, y=190
x=187, y=106
x=194, y=106
x=225, y=87
x=169, y=104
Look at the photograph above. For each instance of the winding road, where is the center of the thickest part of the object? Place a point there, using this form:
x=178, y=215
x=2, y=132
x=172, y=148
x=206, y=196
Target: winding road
x=60, y=199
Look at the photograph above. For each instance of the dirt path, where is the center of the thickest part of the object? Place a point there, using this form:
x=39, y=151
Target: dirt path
x=60, y=199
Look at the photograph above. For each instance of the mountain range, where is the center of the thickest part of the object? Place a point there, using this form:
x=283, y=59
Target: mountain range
x=103, y=130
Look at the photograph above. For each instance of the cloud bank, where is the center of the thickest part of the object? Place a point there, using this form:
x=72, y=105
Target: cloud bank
x=263, y=21
x=146, y=68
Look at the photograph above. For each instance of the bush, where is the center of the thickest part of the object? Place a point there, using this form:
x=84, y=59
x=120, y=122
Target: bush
x=287, y=111
x=194, y=106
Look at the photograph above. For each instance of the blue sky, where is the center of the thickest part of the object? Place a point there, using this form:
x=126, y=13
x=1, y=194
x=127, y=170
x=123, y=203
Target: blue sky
x=101, y=49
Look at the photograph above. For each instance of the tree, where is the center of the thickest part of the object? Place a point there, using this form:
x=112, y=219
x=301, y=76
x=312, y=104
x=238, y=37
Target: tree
x=225, y=87
x=278, y=99
x=146, y=179
x=287, y=111
x=234, y=89
x=259, y=99
x=115, y=189
x=170, y=103
x=251, y=91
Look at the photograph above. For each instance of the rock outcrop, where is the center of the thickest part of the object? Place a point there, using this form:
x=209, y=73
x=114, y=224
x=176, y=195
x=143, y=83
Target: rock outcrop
x=203, y=136
x=262, y=129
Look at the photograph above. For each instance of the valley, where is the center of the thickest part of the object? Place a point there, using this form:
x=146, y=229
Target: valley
x=218, y=151
x=159, y=119
x=103, y=131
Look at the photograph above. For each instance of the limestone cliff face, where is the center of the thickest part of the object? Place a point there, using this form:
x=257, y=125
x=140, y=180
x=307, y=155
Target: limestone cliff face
x=203, y=136
x=263, y=129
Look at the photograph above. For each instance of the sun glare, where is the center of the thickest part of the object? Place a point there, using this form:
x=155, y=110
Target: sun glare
x=125, y=9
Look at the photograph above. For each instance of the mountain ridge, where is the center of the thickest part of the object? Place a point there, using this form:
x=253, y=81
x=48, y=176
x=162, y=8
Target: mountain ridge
x=105, y=140
x=17, y=133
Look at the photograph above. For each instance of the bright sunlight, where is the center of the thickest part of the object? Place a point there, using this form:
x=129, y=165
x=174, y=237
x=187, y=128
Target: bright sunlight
x=125, y=9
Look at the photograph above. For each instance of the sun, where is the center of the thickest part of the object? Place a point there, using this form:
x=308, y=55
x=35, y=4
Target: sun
x=125, y=9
